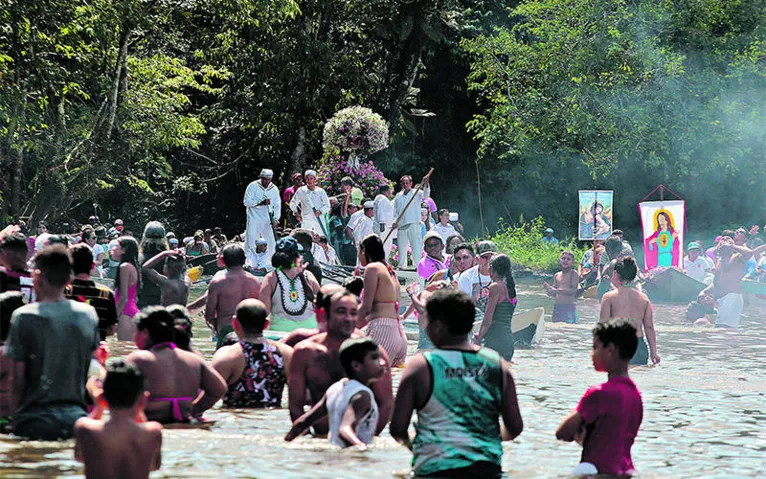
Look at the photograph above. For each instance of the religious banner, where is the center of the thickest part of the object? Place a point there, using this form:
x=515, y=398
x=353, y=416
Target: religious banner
x=663, y=225
x=595, y=214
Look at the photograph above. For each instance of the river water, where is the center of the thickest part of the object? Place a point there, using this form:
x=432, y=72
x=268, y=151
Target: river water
x=704, y=413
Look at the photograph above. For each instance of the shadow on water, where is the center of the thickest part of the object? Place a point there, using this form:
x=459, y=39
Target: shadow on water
x=704, y=413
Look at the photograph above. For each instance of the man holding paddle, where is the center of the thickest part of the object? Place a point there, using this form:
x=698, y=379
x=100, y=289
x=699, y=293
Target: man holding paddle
x=407, y=209
x=310, y=204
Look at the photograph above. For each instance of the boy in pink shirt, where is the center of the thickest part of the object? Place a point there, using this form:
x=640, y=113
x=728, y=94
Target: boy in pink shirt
x=607, y=419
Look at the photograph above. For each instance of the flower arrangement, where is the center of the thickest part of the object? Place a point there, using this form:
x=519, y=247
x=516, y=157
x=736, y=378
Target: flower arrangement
x=335, y=166
x=393, y=257
x=356, y=129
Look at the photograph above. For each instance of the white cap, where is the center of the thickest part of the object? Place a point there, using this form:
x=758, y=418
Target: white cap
x=261, y=241
x=453, y=216
x=369, y=204
x=310, y=173
x=267, y=173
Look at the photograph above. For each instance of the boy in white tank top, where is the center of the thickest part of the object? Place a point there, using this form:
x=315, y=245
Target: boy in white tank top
x=349, y=403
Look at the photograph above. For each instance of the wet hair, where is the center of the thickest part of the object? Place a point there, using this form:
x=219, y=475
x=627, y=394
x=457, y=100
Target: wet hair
x=613, y=246
x=626, y=268
x=465, y=246
x=124, y=384
x=233, y=255
x=16, y=243
x=153, y=240
x=183, y=326
x=10, y=301
x=129, y=248
x=454, y=308
x=82, y=258
x=158, y=322
x=55, y=265
x=501, y=265
x=355, y=349
x=373, y=249
x=620, y=333
x=304, y=237
x=355, y=284
x=252, y=317
x=176, y=265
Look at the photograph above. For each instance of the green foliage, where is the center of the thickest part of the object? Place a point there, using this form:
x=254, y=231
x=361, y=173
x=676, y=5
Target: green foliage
x=522, y=243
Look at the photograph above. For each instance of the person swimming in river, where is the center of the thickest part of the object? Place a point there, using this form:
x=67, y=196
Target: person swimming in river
x=607, y=418
x=349, y=404
x=564, y=290
x=633, y=306
x=663, y=246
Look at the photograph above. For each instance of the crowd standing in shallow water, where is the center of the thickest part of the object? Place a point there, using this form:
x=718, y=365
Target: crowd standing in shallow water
x=333, y=347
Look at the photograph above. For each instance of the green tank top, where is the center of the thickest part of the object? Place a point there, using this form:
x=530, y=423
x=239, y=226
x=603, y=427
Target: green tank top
x=459, y=425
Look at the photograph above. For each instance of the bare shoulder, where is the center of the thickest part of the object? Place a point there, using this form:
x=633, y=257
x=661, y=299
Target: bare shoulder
x=152, y=427
x=86, y=425
x=282, y=347
x=416, y=364
x=495, y=288
x=140, y=356
x=227, y=352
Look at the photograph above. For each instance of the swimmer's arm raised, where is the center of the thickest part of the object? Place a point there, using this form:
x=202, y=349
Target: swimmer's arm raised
x=359, y=406
x=570, y=427
x=148, y=267
x=306, y=420
x=512, y=421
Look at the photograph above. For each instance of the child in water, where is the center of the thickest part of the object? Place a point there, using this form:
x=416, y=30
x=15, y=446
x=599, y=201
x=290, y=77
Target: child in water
x=174, y=284
x=564, y=290
x=349, y=403
x=608, y=416
x=126, y=445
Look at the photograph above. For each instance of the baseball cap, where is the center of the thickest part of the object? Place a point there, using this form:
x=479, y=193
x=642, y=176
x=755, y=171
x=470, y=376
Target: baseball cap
x=549, y=230
x=485, y=247
x=432, y=235
x=289, y=246
x=693, y=245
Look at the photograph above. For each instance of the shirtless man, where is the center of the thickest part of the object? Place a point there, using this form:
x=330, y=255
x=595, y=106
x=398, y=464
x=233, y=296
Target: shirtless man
x=727, y=282
x=564, y=290
x=633, y=306
x=125, y=446
x=228, y=290
x=174, y=283
x=316, y=362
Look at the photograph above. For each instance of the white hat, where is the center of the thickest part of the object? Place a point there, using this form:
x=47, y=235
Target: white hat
x=310, y=173
x=261, y=241
x=267, y=173
x=369, y=204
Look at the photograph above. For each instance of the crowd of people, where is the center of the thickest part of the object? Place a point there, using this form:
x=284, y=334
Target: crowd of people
x=277, y=325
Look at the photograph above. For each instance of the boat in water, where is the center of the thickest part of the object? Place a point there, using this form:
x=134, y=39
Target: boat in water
x=672, y=286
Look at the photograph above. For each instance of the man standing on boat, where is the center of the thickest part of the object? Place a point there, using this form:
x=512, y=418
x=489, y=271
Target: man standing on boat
x=408, y=223
x=264, y=208
x=311, y=205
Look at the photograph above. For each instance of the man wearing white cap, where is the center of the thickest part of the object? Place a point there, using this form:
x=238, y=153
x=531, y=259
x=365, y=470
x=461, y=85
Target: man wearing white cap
x=409, y=220
x=264, y=208
x=310, y=203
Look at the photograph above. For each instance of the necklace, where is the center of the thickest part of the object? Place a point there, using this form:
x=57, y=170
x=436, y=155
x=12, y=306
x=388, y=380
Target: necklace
x=292, y=294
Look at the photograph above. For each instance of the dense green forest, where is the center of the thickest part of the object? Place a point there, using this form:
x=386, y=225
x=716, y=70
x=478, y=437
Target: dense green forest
x=167, y=109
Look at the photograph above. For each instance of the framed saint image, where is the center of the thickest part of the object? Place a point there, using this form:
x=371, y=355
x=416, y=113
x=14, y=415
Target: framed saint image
x=663, y=224
x=596, y=214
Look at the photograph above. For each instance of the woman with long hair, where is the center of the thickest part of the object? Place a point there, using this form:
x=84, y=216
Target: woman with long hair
x=153, y=243
x=495, y=328
x=288, y=292
x=127, y=281
x=380, y=300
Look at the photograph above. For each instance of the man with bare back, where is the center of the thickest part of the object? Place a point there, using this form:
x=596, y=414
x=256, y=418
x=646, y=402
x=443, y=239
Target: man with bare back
x=316, y=362
x=227, y=291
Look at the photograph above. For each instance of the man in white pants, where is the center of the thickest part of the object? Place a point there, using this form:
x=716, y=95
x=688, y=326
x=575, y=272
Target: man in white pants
x=264, y=208
x=311, y=203
x=384, y=217
x=409, y=233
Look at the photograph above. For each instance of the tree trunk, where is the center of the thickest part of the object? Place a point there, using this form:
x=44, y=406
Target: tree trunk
x=121, y=59
x=17, y=170
x=296, y=159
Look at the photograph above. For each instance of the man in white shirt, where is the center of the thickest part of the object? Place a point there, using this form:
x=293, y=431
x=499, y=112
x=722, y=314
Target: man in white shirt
x=383, y=217
x=475, y=281
x=264, y=207
x=310, y=203
x=364, y=226
x=698, y=266
x=409, y=221
x=443, y=227
x=323, y=252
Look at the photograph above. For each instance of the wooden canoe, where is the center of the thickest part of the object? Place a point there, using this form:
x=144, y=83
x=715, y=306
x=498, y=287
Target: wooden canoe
x=672, y=286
